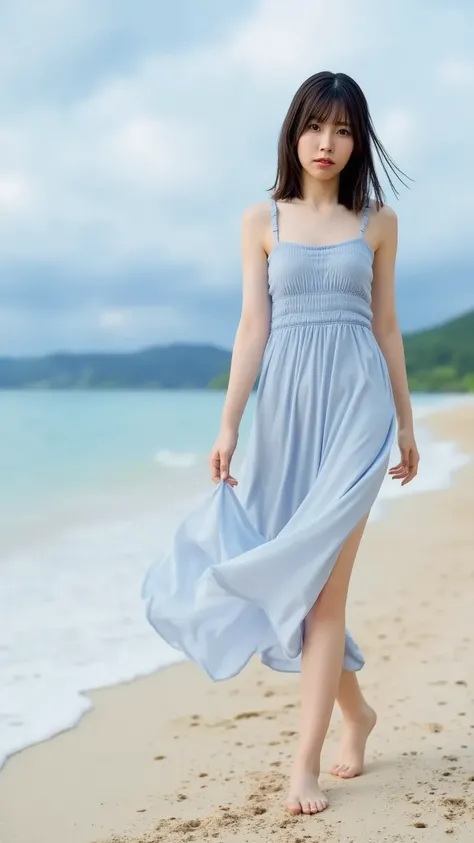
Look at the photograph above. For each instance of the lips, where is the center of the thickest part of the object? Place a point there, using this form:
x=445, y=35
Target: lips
x=324, y=161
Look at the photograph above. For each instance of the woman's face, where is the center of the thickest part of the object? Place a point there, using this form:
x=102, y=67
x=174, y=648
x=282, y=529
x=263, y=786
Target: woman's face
x=330, y=142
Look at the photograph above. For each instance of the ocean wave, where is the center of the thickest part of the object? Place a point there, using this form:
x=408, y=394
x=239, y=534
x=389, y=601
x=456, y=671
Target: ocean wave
x=177, y=459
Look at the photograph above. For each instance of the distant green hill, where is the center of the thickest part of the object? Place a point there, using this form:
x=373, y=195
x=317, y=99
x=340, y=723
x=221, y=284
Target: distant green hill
x=161, y=367
x=440, y=359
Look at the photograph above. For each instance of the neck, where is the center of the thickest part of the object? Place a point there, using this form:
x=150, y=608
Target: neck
x=320, y=193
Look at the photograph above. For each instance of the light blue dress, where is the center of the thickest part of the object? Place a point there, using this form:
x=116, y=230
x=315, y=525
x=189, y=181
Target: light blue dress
x=247, y=563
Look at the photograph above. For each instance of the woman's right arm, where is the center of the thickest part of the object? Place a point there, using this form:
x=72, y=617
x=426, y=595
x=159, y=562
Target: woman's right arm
x=250, y=339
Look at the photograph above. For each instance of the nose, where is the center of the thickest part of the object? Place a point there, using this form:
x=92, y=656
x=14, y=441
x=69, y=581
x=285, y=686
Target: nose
x=325, y=141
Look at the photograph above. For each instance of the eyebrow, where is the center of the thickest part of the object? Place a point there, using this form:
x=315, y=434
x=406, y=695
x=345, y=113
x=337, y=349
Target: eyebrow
x=338, y=122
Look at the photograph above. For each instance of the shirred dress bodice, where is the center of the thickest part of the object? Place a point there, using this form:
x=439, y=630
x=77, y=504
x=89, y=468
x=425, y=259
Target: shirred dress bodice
x=320, y=284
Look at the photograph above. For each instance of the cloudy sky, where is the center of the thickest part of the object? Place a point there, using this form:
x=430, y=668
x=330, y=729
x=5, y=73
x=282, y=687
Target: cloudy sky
x=133, y=135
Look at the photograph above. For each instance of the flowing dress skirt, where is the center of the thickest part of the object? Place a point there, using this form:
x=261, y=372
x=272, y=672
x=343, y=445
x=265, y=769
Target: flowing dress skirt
x=247, y=564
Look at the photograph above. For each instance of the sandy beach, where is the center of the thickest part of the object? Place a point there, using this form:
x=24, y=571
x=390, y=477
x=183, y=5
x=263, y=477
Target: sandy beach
x=174, y=757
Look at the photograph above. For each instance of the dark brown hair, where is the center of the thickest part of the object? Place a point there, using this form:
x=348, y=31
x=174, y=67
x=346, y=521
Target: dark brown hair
x=314, y=100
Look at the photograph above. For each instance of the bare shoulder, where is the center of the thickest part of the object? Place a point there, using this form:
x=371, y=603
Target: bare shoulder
x=256, y=225
x=384, y=223
x=385, y=216
x=257, y=215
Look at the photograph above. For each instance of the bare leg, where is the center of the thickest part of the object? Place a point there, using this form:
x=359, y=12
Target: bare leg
x=359, y=720
x=321, y=665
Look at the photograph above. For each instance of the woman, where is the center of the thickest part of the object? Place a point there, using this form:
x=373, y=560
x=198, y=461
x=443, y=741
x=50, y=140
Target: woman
x=265, y=567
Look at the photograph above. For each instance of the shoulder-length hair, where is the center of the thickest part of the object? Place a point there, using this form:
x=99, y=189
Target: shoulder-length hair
x=314, y=101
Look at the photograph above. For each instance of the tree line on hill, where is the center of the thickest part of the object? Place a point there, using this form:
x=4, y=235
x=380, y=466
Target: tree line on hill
x=439, y=359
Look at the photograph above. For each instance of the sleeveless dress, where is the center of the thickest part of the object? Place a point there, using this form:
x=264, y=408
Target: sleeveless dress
x=247, y=563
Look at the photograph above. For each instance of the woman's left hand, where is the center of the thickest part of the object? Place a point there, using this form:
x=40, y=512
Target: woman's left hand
x=407, y=468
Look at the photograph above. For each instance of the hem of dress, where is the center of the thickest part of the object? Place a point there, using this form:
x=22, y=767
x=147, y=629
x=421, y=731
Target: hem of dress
x=258, y=604
x=284, y=667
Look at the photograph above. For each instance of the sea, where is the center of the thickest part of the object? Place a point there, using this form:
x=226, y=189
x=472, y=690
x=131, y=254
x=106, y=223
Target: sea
x=92, y=487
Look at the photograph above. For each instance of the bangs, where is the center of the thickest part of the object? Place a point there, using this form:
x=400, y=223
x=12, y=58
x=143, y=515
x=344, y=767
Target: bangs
x=321, y=106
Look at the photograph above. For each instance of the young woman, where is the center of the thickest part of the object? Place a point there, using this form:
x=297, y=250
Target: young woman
x=263, y=566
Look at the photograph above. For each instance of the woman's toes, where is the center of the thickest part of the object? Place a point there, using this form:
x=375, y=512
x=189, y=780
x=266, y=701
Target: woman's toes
x=313, y=800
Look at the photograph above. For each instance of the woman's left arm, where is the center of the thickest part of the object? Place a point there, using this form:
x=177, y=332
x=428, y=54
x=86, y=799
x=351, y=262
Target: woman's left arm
x=388, y=335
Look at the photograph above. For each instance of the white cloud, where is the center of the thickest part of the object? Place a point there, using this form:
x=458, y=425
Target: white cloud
x=458, y=73
x=147, y=165
x=151, y=162
x=284, y=40
x=15, y=193
x=397, y=127
x=112, y=319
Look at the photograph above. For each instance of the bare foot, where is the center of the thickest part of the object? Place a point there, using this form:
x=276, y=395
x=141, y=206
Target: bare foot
x=350, y=762
x=305, y=797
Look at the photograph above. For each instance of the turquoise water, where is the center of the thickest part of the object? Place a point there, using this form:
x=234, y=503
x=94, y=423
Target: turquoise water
x=58, y=445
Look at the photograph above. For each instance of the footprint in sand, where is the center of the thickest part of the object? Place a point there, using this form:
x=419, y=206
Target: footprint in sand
x=246, y=715
x=455, y=807
x=267, y=783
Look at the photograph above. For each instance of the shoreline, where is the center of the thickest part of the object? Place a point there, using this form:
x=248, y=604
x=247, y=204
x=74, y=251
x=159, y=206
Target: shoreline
x=143, y=526
x=95, y=800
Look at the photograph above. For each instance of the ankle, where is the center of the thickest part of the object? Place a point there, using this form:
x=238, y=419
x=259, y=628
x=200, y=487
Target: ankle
x=361, y=715
x=307, y=762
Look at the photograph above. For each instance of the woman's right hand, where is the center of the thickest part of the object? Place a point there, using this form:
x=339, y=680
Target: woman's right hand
x=221, y=456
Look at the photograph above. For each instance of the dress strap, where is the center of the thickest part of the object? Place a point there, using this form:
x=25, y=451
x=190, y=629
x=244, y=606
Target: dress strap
x=365, y=219
x=274, y=212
